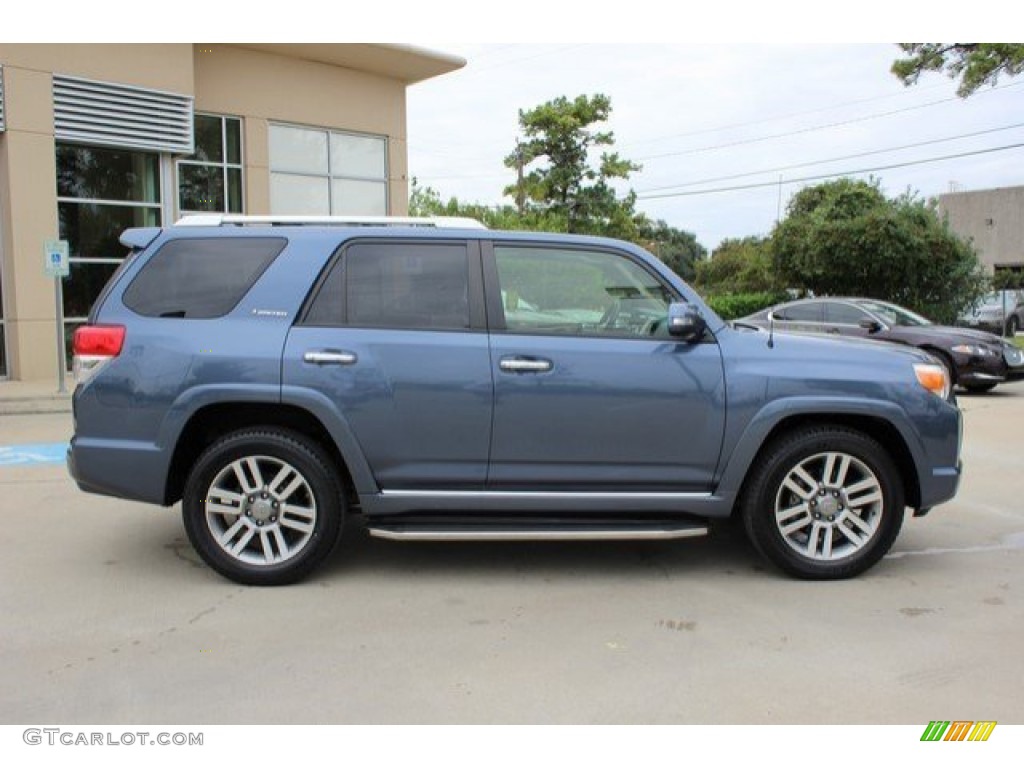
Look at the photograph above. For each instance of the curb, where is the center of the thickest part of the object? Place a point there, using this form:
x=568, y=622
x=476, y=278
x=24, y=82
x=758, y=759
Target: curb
x=24, y=406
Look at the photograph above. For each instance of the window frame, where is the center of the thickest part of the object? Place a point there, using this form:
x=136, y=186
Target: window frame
x=474, y=276
x=224, y=165
x=496, y=307
x=328, y=175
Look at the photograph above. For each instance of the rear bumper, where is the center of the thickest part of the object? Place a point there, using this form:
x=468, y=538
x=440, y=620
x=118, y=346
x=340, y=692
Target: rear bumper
x=128, y=470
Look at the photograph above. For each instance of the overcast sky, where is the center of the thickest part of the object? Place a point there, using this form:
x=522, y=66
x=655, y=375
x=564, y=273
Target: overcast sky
x=701, y=117
x=697, y=107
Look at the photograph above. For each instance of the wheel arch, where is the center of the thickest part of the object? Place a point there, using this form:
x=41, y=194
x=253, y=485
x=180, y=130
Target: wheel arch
x=880, y=429
x=213, y=421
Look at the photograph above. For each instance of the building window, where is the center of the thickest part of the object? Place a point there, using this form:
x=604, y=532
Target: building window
x=319, y=172
x=100, y=193
x=211, y=178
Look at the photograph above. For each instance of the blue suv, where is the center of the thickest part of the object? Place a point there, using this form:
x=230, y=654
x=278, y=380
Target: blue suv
x=448, y=382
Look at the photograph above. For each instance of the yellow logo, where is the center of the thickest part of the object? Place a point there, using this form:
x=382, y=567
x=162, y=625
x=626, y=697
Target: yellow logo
x=958, y=730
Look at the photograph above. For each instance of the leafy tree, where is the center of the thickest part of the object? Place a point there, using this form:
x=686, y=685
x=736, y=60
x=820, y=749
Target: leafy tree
x=974, y=63
x=737, y=266
x=845, y=237
x=427, y=201
x=555, y=172
x=678, y=249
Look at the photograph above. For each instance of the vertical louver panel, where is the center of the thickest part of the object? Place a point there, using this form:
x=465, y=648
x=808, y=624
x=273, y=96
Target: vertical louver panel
x=2, y=124
x=115, y=115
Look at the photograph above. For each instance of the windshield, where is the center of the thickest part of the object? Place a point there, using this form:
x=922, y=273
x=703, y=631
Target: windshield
x=894, y=315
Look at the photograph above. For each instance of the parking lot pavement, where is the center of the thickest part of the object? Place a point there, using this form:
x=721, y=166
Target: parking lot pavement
x=109, y=617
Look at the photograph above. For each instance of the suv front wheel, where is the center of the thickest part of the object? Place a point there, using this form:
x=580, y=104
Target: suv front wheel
x=825, y=502
x=263, y=507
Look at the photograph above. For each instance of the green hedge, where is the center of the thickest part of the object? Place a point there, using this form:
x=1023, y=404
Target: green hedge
x=733, y=305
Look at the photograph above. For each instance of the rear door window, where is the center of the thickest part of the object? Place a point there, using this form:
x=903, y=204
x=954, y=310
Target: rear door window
x=417, y=286
x=200, y=277
x=810, y=312
x=844, y=314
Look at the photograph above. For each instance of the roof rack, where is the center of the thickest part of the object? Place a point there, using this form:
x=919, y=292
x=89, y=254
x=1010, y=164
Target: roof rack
x=229, y=219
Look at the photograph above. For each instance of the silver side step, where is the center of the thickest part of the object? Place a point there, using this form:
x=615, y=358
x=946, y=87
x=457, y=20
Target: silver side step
x=406, y=532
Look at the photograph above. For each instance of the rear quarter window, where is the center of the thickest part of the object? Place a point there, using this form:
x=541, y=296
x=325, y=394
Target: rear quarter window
x=202, y=277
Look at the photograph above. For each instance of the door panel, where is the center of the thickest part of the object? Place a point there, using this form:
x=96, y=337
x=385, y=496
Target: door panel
x=395, y=338
x=590, y=391
x=610, y=413
x=418, y=402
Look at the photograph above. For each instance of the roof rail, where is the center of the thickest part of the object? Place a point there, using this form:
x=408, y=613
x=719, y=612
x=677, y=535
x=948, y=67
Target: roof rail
x=238, y=220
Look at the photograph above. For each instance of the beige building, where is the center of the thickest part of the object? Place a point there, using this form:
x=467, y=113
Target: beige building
x=98, y=138
x=993, y=219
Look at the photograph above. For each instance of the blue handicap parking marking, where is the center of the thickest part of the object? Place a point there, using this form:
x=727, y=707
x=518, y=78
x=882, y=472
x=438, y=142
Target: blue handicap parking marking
x=32, y=453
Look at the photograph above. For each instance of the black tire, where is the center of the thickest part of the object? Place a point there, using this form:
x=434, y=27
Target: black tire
x=988, y=386
x=1012, y=326
x=290, y=506
x=840, y=524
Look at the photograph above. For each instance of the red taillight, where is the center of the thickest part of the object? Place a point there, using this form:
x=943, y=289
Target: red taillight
x=99, y=340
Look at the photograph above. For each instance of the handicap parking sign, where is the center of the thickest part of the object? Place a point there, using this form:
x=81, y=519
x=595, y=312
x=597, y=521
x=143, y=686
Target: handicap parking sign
x=57, y=263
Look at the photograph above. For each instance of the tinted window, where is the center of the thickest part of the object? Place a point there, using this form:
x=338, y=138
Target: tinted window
x=574, y=292
x=328, y=306
x=844, y=314
x=401, y=285
x=200, y=277
x=801, y=313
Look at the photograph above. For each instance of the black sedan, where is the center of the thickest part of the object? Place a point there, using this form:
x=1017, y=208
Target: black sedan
x=977, y=361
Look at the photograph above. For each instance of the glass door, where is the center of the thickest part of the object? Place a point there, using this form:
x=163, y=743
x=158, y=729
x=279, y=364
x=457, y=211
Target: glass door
x=100, y=193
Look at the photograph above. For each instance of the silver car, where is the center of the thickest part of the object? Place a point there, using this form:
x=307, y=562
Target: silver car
x=999, y=312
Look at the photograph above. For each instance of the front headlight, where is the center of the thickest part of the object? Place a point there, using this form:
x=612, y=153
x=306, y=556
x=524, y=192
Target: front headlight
x=975, y=349
x=934, y=378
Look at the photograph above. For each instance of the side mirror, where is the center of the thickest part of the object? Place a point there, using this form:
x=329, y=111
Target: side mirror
x=869, y=325
x=685, y=322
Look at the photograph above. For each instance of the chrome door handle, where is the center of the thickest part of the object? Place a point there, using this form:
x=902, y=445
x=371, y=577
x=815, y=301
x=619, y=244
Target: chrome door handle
x=329, y=357
x=525, y=365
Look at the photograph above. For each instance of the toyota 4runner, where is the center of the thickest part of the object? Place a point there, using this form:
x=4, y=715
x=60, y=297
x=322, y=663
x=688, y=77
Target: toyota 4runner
x=448, y=382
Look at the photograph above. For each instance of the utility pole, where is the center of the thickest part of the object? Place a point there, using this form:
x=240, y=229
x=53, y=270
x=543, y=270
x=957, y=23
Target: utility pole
x=778, y=209
x=520, y=186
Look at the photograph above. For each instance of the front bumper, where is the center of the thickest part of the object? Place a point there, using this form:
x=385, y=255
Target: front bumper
x=978, y=369
x=1014, y=358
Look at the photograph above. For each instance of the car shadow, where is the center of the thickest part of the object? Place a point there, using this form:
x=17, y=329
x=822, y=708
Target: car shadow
x=724, y=551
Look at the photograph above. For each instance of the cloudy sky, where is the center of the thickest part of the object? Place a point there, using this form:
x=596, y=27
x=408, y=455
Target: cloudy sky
x=704, y=117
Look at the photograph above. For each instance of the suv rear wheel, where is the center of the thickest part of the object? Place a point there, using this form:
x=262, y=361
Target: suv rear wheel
x=825, y=502
x=263, y=507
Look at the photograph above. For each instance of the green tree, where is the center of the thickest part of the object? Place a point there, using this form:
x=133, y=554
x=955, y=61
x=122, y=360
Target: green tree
x=845, y=237
x=678, y=249
x=737, y=266
x=555, y=173
x=427, y=201
x=424, y=201
x=974, y=63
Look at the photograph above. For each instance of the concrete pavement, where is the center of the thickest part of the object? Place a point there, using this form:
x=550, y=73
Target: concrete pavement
x=109, y=617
